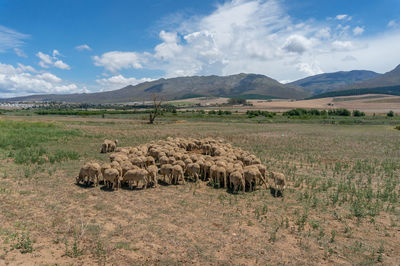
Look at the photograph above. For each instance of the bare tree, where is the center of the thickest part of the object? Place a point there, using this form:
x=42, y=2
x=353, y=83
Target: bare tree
x=157, y=101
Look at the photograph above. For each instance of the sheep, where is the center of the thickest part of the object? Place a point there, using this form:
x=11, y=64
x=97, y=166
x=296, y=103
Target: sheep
x=153, y=170
x=251, y=175
x=104, y=146
x=236, y=180
x=193, y=170
x=105, y=166
x=136, y=175
x=177, y=174
x=126, y=166
x=206, y=169
x=262, y=169
x=221, y=176
x=111, y=145
x=84, y=174
x=278, y=181
x=206, y=148
x=111, y=176
x=149, y=161
x=94, y=172
x=137, y=161
x=108, y=145
x=117, y=166
x=163, y=160
x=166, y=170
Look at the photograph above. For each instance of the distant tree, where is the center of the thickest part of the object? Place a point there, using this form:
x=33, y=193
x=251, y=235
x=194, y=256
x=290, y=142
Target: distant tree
x=156, y=111
x=358, y=113
x=390, y=114
x=233, y=101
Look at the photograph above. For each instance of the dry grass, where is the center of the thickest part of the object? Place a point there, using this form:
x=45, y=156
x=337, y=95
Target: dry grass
x=342, y=204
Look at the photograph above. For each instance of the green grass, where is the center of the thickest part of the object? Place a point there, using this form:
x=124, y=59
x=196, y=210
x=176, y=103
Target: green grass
x=25, y=142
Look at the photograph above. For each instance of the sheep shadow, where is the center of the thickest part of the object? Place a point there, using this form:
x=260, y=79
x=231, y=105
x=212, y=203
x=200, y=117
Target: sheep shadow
x=84, y=185
x=276, y=193
x=107, y=189
x=163, y=183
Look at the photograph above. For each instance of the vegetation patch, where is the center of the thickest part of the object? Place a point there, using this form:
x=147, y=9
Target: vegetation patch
x=24, y=141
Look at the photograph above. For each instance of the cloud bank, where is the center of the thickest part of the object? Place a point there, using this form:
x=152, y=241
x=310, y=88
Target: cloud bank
x=259, y=37
x=26, y=80
x=47, y=61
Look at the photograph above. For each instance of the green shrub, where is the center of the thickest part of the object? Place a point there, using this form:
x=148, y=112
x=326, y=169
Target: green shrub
x=390, y=114
x=233, y=101
x=358, y=113
x=339, y=112
x=254, y=113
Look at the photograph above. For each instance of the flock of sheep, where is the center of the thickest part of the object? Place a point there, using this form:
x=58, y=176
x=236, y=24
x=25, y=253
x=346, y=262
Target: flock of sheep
x=176, y=160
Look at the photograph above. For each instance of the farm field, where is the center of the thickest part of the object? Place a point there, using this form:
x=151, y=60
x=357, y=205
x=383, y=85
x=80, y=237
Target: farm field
x=341, y=205
x=369, y=103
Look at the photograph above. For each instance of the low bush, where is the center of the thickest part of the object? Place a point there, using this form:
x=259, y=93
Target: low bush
x=358, y=113
x=255, y=113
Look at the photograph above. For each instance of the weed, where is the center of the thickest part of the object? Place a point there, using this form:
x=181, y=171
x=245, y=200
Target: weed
x=24, y=243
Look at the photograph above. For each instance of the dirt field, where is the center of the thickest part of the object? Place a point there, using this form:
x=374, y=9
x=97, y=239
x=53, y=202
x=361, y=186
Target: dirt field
x=370, y=103
x=342, y=205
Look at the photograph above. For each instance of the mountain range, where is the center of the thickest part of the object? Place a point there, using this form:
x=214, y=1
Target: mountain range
x=240, y=85
x=249, y=86
x=331, y=81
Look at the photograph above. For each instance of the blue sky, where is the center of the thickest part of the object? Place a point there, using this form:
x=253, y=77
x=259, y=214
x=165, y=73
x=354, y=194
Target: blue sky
x=66, y=46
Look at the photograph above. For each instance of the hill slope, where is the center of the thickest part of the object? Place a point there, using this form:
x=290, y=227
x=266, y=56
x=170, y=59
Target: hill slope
x=241, y=85
x=389, y=79
x=330, y=81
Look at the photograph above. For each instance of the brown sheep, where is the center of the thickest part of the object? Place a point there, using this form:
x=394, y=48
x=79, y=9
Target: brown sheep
x=251, y=175
x=84, y=174
x=150, y=161
x=166, y=170
x=94, y=173
x=177, y=174
x=163, y=160
x=111, y=176
x=111, y=145
x=236, y=180
x=117, y=166
x=278, y=181
x=221, y=176
x=153, y=170
x=136, y=176
x=193, y=171
x=126, y=166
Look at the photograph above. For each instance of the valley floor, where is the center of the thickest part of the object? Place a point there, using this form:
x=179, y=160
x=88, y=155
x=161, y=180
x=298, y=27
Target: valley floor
x=342, y=205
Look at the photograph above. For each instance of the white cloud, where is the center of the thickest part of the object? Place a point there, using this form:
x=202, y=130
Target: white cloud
x=26, y=68
x=47, y=61
x=56, y=53
x=116, y=60
x=83, y=47
x=257, y=36
x=343, y=17
x=358, y=30
x=61, y=65
x=342, y=45
x=119, y=81
x=348, y=58
x=393, y=23
x=10, y=38
x=297, y=44
x=25, y=80
x=19, y=52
